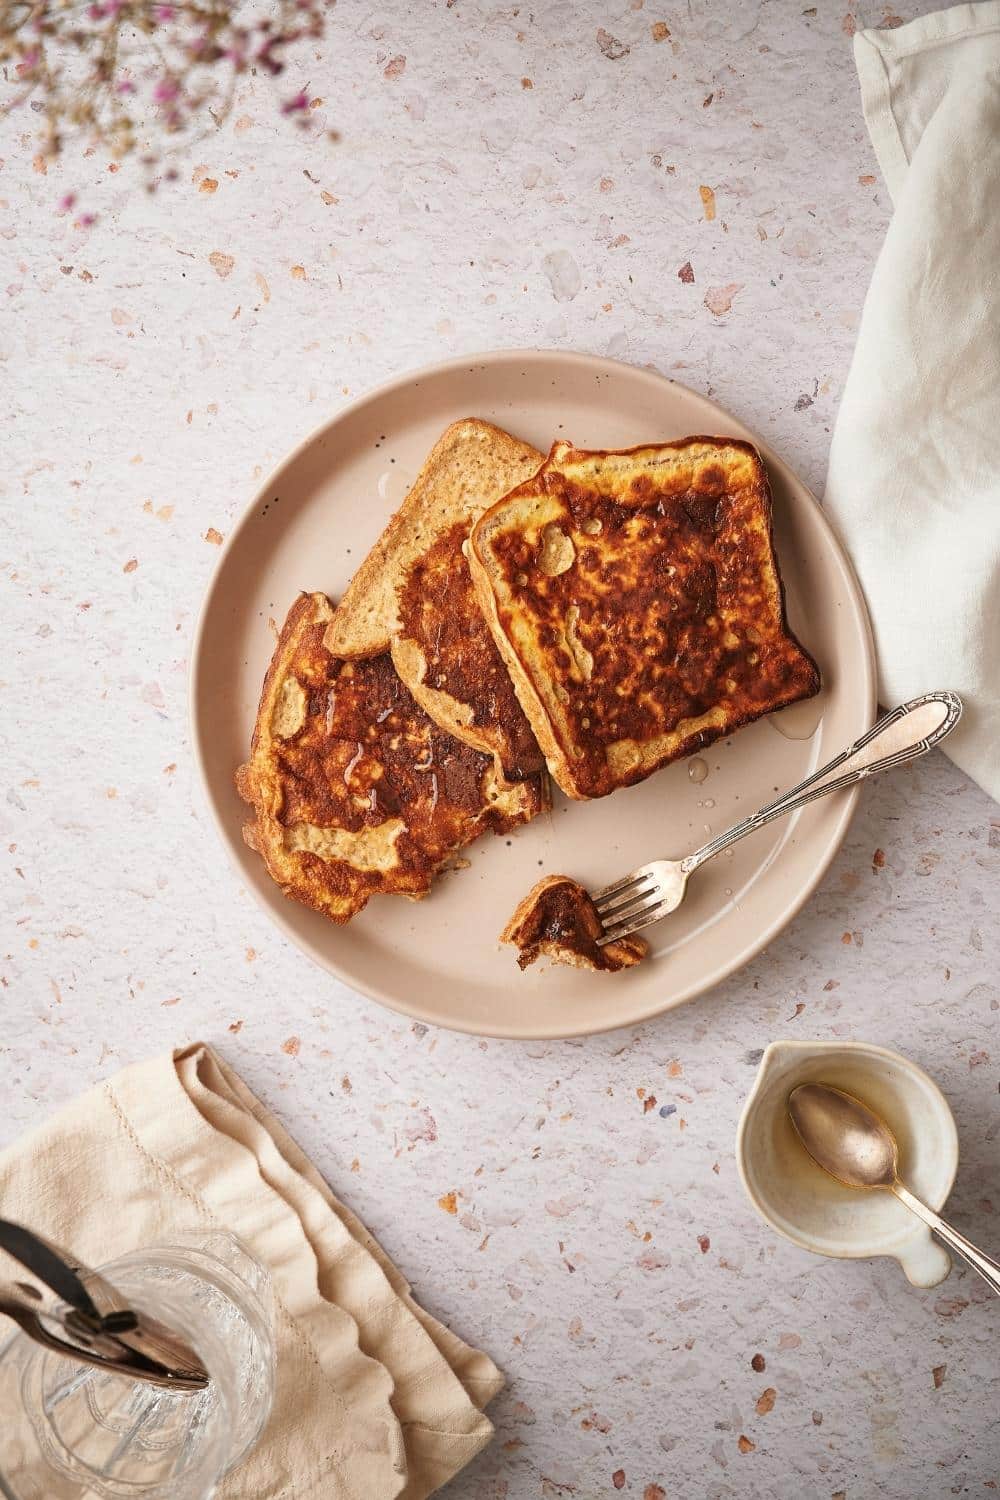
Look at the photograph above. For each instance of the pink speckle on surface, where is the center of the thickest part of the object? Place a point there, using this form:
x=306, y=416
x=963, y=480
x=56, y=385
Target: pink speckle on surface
x=595, y=1423
x=422, y=1127
x=613, y=49
x=719, y=299
x=561, y=1208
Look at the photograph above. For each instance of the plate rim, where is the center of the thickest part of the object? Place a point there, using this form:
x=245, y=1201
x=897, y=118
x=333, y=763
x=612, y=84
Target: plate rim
x=428, y=1013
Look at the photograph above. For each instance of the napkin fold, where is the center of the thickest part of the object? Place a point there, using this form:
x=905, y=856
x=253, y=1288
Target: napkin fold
x=914, y=475
x=375, y=1398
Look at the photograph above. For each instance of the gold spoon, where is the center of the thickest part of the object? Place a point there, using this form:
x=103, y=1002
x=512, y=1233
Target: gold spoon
x=851, y=1142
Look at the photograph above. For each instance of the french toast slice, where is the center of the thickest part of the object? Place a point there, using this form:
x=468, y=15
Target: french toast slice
x=557, y=919
x=355, y=791
x=636, y=600
x=413, y=596
x=447, y=658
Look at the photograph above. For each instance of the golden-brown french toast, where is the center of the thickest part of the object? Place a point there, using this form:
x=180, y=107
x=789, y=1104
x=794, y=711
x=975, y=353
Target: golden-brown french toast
x=413, y=595
x=446, y=656
x=355, y=790
x=636, y=600
x=557, y=919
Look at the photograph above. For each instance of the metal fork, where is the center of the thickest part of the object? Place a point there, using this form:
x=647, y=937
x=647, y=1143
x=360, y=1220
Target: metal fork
x=656, y=889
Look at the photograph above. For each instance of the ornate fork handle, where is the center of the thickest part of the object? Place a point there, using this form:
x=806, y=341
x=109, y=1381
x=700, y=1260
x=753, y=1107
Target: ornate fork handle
x=900, y=736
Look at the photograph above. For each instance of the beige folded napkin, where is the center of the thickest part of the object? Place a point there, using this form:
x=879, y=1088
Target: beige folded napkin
x=914, y=477
x=375, y=1398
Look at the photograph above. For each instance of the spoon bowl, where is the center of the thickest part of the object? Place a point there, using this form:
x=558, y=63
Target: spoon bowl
x=844, y=1136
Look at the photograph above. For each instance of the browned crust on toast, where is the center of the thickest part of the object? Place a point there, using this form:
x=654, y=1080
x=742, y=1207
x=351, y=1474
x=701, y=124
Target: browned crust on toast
x=635, y=597
x=355, y=791
x=413, y=596
x=449, y=661
x=472, y=464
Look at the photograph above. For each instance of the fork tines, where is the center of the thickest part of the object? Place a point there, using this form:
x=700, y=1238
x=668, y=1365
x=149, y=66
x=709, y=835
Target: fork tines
x=629, y=904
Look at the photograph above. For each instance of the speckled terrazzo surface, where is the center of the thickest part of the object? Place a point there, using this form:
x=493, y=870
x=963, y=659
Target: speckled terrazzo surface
x=505, y=178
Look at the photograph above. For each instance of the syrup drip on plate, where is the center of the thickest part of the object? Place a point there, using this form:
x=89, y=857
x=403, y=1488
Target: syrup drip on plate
x=800, y=721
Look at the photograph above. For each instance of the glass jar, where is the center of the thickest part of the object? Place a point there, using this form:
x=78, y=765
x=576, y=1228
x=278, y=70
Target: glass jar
x=69, y=1431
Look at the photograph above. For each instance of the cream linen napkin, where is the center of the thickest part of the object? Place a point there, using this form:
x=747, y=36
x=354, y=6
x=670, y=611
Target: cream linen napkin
x=375, y=1398
x=914, y=477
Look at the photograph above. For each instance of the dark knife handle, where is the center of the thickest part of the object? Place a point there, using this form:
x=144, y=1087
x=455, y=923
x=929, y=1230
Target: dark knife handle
x=45, y=1261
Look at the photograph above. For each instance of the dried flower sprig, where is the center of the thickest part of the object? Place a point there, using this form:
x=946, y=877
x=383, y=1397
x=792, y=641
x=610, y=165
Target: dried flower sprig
x=115, y=70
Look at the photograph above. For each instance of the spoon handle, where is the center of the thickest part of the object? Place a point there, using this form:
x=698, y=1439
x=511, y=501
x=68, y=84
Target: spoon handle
x=988, y=1269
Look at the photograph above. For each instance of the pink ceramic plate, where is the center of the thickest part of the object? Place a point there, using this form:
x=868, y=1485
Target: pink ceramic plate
x=439, y=960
